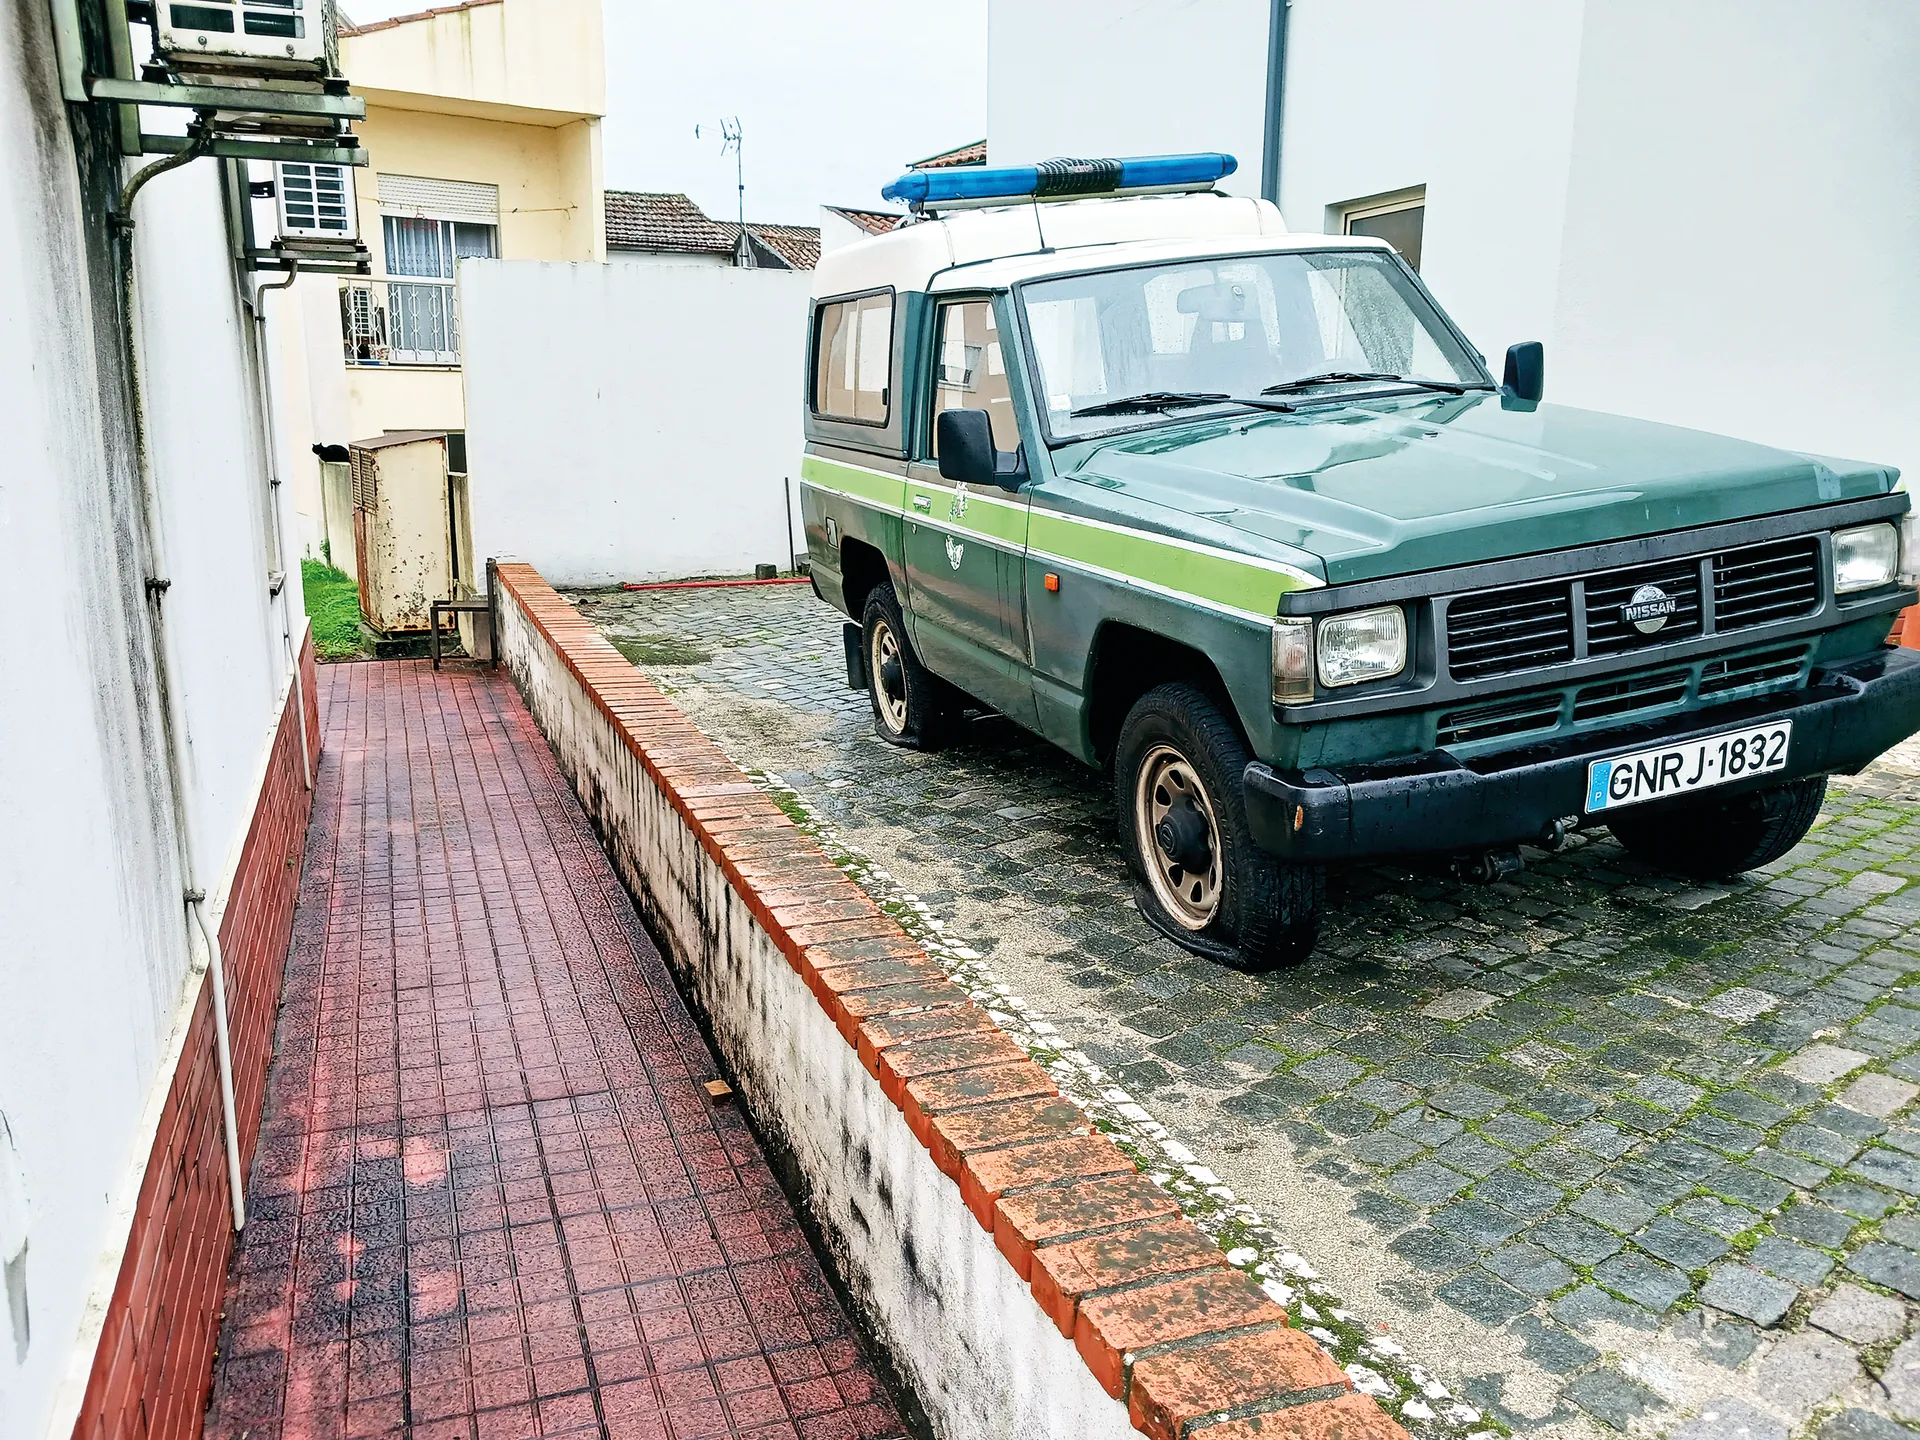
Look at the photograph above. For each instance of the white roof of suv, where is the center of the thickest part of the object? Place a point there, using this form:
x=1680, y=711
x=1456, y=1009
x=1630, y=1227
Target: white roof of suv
x=992, y=247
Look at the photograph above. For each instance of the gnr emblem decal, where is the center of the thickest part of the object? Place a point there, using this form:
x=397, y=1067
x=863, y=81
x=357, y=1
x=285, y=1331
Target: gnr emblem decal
x=954, y=553
x=959, y=505
x=1648, y=609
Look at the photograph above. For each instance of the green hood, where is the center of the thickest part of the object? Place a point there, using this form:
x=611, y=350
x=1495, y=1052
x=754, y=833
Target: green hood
x=1398, y=486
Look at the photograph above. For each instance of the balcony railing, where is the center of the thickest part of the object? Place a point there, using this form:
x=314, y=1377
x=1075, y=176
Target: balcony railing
x=399, y=322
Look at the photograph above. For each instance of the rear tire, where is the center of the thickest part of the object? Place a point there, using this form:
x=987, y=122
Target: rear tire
x=1200, y=878
x=1714, y=838
x=912, y=707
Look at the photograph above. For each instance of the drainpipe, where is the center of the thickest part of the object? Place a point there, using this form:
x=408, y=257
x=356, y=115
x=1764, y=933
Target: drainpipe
x=273, y=502
x=172, y=723
x=1276, y=100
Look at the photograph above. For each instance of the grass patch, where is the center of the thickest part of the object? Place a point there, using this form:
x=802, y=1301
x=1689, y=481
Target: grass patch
x=333, y=604
x=644, y=650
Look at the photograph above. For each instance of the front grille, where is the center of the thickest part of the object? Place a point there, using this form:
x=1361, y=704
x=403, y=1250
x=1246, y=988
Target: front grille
x=1507, y=630
x=1507, y=717
x=1763, y=667
x=1630, y=693
x=1609, y=631
x=1502, y=632
x=1766, y=582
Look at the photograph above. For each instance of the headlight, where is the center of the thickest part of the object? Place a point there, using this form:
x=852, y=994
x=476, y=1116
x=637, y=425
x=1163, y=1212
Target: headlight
x=1292, y=660
x=1366, y=645
x=1864, y=557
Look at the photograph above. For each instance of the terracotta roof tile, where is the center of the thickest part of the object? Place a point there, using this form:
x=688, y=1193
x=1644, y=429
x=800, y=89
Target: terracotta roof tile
x=974, y=154
x=670, y=222
x=874, y=222
x=347, y=27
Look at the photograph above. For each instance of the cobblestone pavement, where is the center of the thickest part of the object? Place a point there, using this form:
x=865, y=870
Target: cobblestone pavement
x=491, y=1199
x=1602, y=1147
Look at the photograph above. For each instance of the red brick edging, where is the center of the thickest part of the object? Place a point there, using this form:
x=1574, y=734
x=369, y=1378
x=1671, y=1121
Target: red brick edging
x=1191, y=1345
x=153, y=1365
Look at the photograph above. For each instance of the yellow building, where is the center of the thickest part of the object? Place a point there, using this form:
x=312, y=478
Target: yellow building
x=483, y=128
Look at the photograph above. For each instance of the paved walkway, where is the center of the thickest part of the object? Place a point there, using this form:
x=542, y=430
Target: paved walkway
x=1598, y=1144
x=492, y=1198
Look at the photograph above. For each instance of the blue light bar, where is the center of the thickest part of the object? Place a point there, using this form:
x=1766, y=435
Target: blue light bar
x=1059, y=179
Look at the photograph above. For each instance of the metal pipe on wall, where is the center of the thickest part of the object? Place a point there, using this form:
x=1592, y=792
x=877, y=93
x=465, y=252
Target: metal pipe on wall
x=258, y=308
x=1276, y=101
x=172, y=722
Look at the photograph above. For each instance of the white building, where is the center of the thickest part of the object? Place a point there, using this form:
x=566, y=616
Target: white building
x=1708, y=211
x=153, y=789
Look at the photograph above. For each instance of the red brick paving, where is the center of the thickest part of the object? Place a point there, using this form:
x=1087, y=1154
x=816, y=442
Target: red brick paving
x=492, y=1198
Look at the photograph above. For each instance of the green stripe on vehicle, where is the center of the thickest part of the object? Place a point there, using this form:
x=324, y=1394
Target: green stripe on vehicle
x=1181, y=567
x=1240, y=584
x=872, y=486
x=968, y=510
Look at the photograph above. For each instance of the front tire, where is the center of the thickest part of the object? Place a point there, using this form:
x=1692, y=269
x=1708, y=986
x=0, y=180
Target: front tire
x=911, y=707
x=1717, y=838
x=1201, y=879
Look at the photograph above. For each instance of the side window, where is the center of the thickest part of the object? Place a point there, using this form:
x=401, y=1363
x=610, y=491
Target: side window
x=852, y=354
x=970, y=372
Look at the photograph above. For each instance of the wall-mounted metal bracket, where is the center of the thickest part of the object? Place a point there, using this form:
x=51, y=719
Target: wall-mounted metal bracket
x=319, y=152
x=247, y=99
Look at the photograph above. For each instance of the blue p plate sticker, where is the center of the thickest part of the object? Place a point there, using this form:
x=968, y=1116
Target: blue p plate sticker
x=1597, y=774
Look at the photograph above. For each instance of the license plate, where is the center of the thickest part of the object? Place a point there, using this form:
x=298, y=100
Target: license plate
x=1686, y=767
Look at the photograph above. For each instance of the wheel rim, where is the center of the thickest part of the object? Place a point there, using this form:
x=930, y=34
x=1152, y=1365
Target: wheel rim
x=1179, y=837
x=889, y=677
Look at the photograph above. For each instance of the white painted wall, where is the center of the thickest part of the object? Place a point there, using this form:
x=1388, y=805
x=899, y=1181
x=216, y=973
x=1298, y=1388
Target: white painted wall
x=632, y=422
x=1476, y=105
x=1152, y=77
x=1743, y=222
x=1708, y=211
x=667, y=257
x=95, y=968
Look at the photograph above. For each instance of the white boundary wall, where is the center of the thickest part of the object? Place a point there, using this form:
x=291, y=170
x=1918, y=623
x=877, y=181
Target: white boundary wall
x=1707, y=211
x=632, y=422
x=979, y=1354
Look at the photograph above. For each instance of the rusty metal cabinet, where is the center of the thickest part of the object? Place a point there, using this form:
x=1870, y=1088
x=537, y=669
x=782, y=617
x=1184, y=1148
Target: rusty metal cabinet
x=403, y=546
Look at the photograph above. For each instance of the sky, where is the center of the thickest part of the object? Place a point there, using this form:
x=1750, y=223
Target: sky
x=833, y=99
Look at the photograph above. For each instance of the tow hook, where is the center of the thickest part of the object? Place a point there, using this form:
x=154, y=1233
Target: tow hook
x=1488, y=866
x=1559, y=834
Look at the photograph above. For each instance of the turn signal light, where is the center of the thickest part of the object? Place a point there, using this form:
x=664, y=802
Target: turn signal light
x=1292, y=660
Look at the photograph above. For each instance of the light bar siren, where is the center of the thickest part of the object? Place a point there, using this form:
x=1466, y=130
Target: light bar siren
x=1059, y=180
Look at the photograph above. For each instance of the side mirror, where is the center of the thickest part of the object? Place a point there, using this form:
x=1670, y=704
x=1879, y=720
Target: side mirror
x=1526, y=374
x=964, y=439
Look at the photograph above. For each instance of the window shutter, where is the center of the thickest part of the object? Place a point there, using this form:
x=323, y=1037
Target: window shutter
x=440, y=199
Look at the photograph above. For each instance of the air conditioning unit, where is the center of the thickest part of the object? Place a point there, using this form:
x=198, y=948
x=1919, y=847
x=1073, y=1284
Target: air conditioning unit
x=316, y=201
x=272, y=34
x=363, y=323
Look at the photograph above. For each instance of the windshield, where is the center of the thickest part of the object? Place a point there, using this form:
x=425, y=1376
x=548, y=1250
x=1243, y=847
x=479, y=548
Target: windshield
x=1235, y=326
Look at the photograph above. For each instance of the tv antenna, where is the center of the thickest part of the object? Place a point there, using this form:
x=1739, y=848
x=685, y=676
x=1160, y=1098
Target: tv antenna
x=730, y=140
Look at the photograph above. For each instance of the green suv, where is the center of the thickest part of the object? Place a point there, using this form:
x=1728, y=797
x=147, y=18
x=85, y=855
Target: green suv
x=1243, y=517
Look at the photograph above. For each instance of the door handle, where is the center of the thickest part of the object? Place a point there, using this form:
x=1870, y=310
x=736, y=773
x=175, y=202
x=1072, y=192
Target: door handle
x=923, y=503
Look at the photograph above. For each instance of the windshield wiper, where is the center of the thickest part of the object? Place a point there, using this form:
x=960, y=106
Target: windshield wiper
x=1331, y=377
x=1151, y=400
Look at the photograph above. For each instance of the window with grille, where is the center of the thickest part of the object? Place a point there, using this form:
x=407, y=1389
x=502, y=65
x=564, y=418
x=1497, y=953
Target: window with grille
x=423, y=326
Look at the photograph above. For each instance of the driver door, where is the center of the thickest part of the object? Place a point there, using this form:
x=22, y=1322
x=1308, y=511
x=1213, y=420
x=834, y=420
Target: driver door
x=966, y=545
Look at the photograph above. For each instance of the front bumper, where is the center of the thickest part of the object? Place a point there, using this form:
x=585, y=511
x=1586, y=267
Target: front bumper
x=1432, y=802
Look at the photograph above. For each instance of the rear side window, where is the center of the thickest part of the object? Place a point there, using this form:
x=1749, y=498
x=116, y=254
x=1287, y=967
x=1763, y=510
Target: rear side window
x=852, y=354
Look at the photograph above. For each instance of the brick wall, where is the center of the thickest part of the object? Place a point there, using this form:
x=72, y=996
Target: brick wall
x=1026, y=1278
x=154, y=1362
